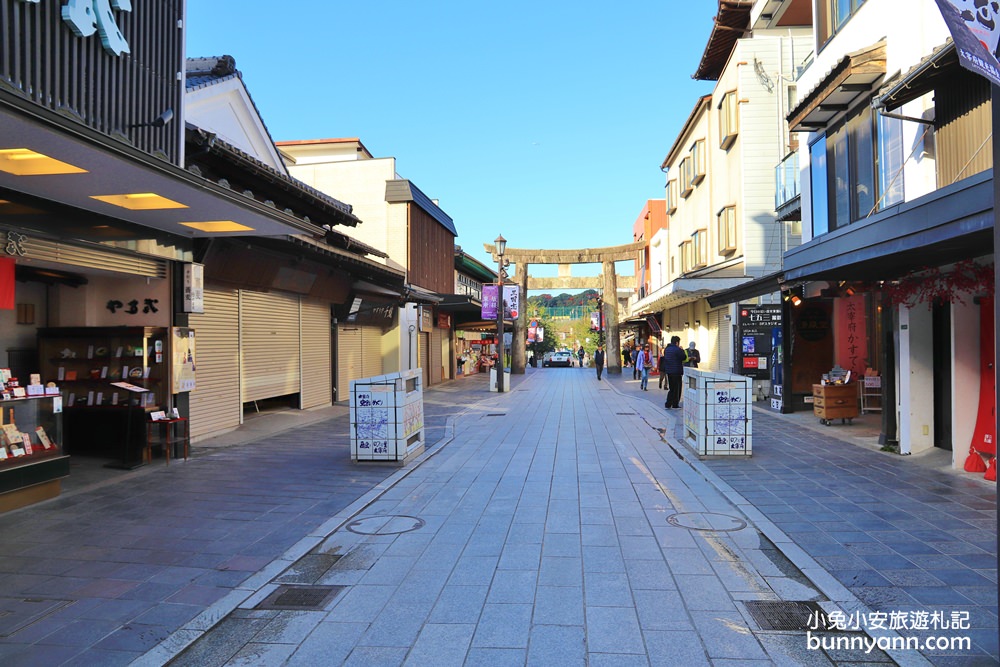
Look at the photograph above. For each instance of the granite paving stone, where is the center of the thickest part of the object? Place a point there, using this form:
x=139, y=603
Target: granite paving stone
x=545, y=541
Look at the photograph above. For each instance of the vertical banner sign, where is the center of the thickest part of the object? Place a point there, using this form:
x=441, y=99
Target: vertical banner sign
x=975, y=27
x=851, y=335
x=194, y=288
x=756, y=327
x=532, y=329
x=490, y=300
x=595, y=321
x=511, y=301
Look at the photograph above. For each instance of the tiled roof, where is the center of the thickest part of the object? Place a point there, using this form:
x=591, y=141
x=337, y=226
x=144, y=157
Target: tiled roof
x=224, y=161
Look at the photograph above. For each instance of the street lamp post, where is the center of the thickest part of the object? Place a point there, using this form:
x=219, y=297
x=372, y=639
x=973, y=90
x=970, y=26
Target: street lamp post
x=501, y=245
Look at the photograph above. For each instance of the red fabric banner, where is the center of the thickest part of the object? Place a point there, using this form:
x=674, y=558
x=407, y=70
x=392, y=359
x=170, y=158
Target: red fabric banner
x=7, y=265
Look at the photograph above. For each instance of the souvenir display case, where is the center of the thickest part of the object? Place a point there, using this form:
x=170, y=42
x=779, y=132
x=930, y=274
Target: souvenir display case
x=32, y=462
x=110, y=379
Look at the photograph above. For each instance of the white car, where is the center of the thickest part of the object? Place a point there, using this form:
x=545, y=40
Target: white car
x=559, y=359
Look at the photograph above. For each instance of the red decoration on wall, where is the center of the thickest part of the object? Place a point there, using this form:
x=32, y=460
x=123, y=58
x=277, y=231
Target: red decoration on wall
x=7, y=267
x=931, y=285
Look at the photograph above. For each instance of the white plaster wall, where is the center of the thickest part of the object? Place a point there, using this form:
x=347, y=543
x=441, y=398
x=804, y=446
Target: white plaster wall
x=965, y=377
x=916, y=394
x=360, y=183
x=659, y=259
x=226, y=109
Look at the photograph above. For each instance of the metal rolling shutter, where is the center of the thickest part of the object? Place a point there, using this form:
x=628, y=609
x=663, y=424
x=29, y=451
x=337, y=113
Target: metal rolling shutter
x=435, y=355
x=215, y=402
x=316, y=363
x=371, y=352
x=269, y=336
x=723, y=352
x=349, y=357
x=424, y=360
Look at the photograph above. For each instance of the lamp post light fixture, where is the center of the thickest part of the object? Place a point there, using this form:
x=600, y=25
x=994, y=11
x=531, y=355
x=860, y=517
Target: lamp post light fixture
x=501, y=245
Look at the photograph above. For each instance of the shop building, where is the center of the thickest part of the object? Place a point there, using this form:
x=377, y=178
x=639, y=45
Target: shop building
x=415, y=234
x=475, y=339
x=897, y=207
x=723, y=232
x=116, y=219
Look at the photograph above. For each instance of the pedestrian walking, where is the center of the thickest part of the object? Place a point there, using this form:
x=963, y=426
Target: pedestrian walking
x=673, y=365
x=580, y=354
x=694, y=356
x=635, y=367
x=644, y=362
x=599, y=361
x=626, y=356
x=662, y=373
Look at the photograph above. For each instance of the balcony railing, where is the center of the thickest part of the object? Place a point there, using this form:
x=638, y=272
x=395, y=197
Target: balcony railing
x=786, y=180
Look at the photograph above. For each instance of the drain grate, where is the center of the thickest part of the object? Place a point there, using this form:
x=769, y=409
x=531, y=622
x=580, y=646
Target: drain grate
x=626, y=414
x=300, y=598
x=786, y=616
x=496, y=414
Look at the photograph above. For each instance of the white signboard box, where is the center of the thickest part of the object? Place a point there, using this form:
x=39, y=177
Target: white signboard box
x=387, y=417
x=718, y=413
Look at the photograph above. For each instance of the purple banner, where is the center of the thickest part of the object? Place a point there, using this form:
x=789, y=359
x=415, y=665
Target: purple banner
x=490, y=301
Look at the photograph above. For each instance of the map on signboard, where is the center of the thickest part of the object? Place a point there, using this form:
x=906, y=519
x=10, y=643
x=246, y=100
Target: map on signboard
x=372, y=419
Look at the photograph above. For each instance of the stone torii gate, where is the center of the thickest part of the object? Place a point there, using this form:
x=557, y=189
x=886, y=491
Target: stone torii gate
x=608, y=282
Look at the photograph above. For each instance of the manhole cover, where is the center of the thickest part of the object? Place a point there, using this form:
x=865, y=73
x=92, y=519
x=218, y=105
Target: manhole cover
x=18, y=613
x=786, y=616
x=385, y=525
x=709, y=521
x=300, y=598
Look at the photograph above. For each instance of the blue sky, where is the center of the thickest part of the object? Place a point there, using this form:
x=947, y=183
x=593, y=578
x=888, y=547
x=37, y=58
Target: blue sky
x=544, y=122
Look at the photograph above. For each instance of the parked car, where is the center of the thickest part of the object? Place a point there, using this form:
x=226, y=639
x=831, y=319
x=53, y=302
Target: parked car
x=559, y=359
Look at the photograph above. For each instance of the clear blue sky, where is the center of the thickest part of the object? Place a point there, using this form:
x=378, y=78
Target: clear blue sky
x=542, y=121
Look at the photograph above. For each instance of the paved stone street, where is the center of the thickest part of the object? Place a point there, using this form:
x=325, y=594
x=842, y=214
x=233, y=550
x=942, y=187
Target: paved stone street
x=561, y=523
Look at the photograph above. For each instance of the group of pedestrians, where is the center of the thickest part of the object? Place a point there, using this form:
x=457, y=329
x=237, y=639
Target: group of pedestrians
x=670, y=364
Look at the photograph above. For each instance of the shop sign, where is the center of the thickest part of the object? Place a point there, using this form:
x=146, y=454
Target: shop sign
x=183, y=359
x=426, y=319
x=975, y=27
x=85, y=17
x=444, y=321
x=194, y=288
x=132, y=307
x=15, y=244
x=760, y=333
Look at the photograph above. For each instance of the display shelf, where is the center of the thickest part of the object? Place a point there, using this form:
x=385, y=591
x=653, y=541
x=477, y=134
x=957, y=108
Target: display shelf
x=30, y=476
x=102, y=419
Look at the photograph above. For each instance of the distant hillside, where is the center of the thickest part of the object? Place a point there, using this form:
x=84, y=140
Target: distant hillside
x=564, y=300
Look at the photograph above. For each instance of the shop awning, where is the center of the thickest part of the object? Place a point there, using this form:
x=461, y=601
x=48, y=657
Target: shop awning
x=852, y=78
x=919, y=79
x=97, y=165
x=460, y=303
x=748, y=290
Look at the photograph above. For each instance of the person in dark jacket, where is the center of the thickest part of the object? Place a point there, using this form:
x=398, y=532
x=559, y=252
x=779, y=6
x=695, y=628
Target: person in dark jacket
x=673, y=365
x=599, y=361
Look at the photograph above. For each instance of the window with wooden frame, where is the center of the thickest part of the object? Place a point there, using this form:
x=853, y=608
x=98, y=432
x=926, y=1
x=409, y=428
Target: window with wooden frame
x=699, y=248
x=672, y=196
x=685, y=169
x=729, y=123
x=684, y=250
x=698, y=162
x=727, y=230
